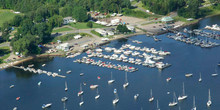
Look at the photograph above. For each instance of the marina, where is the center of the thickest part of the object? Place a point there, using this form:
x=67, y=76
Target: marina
x=187, y=63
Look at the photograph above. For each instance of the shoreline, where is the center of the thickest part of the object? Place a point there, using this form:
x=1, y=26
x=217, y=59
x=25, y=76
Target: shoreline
x=7, y=65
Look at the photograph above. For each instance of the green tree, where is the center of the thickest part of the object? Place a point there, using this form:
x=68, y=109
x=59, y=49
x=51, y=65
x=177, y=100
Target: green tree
x=6, y=29
x=90, y=24
x=80, y=14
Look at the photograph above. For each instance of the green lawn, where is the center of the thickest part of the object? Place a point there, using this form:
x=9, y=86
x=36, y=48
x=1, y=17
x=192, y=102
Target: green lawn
x=5, y=15
x=61, y=29
x=84, y=25
x=4, y=53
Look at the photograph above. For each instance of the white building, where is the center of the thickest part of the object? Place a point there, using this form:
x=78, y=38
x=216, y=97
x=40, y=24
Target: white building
x=131, y=28
x=68, y=20
x=77, y=36
x=101, y=31
x=64, y=47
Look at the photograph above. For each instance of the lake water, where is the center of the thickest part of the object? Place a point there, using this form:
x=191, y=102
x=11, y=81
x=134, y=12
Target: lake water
x=184, y=58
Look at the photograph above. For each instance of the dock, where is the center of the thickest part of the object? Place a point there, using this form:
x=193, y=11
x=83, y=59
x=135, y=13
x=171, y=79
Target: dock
x=39, y=71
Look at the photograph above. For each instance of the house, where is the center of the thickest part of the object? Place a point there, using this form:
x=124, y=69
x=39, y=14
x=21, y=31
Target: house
x=77, y=36
x=68, y=20
x=64, y=47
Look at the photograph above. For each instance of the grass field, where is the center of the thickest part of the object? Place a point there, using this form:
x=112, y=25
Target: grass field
x=84, y=25
x=5, y=15
x=61, y=29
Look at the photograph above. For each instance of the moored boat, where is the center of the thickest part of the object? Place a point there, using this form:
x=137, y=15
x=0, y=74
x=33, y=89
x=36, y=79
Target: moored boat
x=93, y=86
x=188, y=75
x=136, y=96
x=46, y=105
x=151, y=96
x=174, y=103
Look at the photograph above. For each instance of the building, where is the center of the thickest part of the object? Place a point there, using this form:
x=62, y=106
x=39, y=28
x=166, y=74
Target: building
x=77, y=36
x=101, y=31
x=68, y=20
x=167, y=19
x=131, y=28
x=64, y=47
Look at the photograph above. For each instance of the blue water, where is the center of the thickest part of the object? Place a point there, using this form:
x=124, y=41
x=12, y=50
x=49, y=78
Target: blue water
x=184, y=58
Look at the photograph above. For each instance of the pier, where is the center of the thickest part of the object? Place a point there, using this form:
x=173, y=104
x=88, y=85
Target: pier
x=39, y=71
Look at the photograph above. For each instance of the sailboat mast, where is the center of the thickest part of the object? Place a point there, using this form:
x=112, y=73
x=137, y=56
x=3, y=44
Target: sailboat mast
x=209, y=95
x=157, y=105
x=183, y=90
x=151, y=93
x=194, y=105
x=126, y=80
x=97, y=91
x=174, y=97
x=80, y=87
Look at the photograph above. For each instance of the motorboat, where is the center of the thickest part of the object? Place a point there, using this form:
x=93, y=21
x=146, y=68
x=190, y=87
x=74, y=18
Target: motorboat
x=64, y=99
x=151, y=96
x=209, y=100
x=43, y=65
x=93, y=86
x=108, y=49
x=136, y=96
x=188, y=75
x=18, y=98
x=115, y=91
x=39, y=83
x=183, y=95
x=174, y=103
x=15, y=108
x=81, y=74
x=11, y=86
x=46, y=105
x=168, y=79
x=68, y=72
x=115, y=101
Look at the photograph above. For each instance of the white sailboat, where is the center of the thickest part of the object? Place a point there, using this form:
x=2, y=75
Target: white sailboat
x=116, y=100
x=126, y=81
x=209, y=101
x=215, y=74
x=200, y=78
x=80, y=91
x=174, y=103
x=158, y=108
x=111, y=80
x=183, y=96
x=97, y=94
x=151, y=96
x=194, y=105
x=136, y=96
x=82, y=102
x=66, y=88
